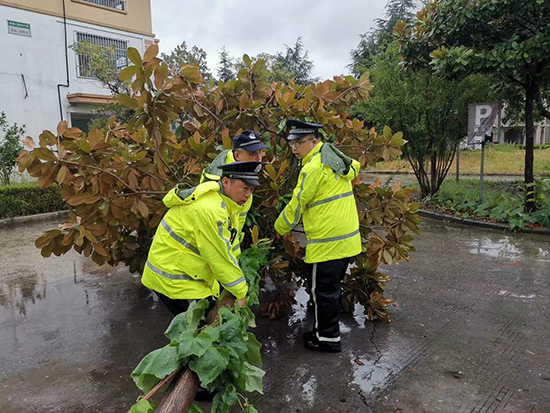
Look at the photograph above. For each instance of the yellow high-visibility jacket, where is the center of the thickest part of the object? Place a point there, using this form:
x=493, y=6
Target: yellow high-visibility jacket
x=327, y=205
x=212, y=173
x=196, y=246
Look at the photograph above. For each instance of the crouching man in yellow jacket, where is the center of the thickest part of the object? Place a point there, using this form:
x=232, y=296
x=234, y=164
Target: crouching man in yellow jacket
x=324, y=199
x=196, y=246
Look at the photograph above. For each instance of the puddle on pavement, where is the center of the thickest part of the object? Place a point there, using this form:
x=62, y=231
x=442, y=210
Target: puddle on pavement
x=504, y=247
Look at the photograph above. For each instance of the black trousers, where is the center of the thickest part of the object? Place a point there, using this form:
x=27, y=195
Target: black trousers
x=178, y=306
x=326, y=277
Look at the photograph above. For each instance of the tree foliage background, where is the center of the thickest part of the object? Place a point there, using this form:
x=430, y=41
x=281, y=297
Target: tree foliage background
x=114, y=178
x=430, y=109
x=508, y=38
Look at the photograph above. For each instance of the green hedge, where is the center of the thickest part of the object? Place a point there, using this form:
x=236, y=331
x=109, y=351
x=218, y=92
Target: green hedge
x=28, y=199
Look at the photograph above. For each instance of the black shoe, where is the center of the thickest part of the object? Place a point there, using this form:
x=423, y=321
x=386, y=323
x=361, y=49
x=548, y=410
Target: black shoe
x=309, y=335
x=316, y=345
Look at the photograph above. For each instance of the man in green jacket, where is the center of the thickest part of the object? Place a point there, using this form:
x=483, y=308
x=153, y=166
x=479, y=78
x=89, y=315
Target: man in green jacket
x=196, y=246
x=247, y=147
x=324, y=199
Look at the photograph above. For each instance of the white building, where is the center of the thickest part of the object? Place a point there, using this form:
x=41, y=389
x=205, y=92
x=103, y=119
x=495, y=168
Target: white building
x=43, y=80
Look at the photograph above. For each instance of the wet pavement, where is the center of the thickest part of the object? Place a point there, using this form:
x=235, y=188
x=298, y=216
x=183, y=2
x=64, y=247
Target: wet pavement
x=470, y=333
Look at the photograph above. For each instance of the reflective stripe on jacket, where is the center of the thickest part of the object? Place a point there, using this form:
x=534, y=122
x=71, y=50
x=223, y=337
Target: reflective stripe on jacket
x=325, y=202
x=196, y=247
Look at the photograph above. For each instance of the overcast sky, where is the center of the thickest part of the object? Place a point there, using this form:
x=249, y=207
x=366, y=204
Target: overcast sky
x=329, y=28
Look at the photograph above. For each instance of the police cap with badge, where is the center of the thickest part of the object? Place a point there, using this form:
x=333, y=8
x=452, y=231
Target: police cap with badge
x=249, y=141
x=298, y=129
x=245, y=171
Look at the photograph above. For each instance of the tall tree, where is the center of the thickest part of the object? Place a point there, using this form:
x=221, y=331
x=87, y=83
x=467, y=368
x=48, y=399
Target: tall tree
x=430, y=110
x=293, y=64
x=509, y=38
x=226, y=69
x=375, y=41
x=182, y=55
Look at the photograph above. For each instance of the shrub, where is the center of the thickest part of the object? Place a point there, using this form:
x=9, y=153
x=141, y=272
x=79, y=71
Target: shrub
x=10, y=146
x=28, y=199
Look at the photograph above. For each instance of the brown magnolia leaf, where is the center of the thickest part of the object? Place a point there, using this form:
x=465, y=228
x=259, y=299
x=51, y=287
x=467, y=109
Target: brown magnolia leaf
x=127, y=100
x=29, y=142
x=62, y=127
x=73, y=132
x=133, y=180
x=143, y=208
x=82, y=198
x=45, y=154
x=151, y=52
x=100, y=249
x=61, y=174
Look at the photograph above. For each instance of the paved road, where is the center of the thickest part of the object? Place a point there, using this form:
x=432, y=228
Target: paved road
x=470, y=333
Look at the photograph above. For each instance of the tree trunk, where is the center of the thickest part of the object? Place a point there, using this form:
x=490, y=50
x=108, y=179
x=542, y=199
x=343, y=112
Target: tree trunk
x=433, y=173
x=181, y=392
x=530, y=91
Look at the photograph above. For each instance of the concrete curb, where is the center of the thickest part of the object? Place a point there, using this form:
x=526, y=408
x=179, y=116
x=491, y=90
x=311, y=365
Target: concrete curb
x=449, y=175
x=475, y=223
x=12, y=222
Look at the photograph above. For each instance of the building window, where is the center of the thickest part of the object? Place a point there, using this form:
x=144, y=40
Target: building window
x=110, y=4
x=95, y=52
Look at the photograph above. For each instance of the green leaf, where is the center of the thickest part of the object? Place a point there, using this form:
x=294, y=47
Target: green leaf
x=134, y=56
x=195, y=312
x=251, y=409
x=252, y=354
x=251, y=378
x=232, y=332
x=210, y=364
x=189, y=345
x=155, y=366
x=195, y=409
x=224, y=399
x=188, y=320
x=127, y=73
x=127, y=100
x=143, y=406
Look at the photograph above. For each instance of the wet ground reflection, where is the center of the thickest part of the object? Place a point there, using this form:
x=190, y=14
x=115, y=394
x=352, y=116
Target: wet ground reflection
x=72, y=332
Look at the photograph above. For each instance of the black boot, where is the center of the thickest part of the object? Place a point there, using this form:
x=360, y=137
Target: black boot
x=314, y=344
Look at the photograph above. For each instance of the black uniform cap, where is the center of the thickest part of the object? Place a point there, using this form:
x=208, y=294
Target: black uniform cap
x=249, y=141
x=245, y=171
x=299, y=129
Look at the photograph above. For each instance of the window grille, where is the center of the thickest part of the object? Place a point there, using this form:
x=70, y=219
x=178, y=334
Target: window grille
x=111, y=4
x=113, y=51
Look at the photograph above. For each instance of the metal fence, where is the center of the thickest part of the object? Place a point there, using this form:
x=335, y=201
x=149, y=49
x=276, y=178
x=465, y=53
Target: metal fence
x=111, y=4
x=113, y=51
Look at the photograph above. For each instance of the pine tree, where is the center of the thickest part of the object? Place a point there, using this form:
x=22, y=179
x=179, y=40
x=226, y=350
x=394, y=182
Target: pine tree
x=377, y=39
x=226, y=68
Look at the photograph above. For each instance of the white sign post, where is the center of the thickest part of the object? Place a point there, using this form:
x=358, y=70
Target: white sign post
x=481, y=117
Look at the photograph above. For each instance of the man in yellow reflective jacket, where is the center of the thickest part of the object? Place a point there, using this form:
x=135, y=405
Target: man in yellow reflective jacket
x=324, y=200
x=196, y=246
x=247, y=147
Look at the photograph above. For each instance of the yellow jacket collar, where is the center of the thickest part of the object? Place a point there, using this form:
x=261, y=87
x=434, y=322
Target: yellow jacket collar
x=316, y=149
